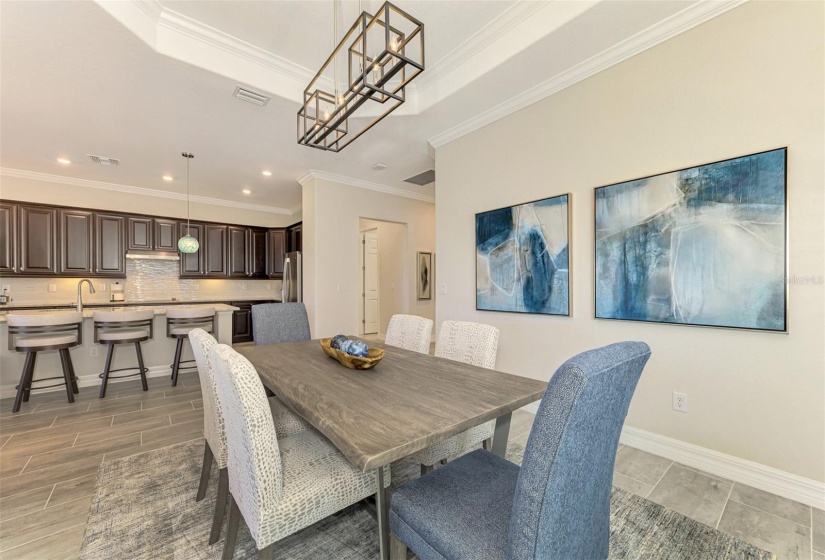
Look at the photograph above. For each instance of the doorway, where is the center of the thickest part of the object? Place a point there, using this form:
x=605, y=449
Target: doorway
x=382, y=283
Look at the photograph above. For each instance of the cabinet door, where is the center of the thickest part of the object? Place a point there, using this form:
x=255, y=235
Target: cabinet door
x=295, y=238
x=276, y=249
x=76, y=242
x=238, y=251
x=8, y=238
x=192, y=264
x=110, y=245
x=242, y=323
x=140, y=234
x=166, y=235
x=38, y=240
x=256, y=266
x=216, y=250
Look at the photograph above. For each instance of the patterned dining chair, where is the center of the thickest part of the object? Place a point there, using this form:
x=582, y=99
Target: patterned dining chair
x=273, y=323
x=470, y=343
x=285, y=421
x=278, y=486
x=410, y=332
x=557, y=504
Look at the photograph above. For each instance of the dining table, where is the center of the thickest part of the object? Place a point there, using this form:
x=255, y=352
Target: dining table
x=407, y=402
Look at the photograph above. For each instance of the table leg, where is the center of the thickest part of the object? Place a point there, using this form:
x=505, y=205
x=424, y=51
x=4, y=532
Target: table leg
x=501, y=434
x=382, y=506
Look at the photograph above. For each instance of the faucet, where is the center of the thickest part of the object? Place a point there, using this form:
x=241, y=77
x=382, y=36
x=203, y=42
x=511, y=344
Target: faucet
x=79, y=298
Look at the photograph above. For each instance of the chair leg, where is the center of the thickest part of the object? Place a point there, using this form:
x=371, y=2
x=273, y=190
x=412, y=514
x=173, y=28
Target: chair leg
x=443, y=461
x=232, y=530
x=109, y=355
x=75, y=390
x=67, y=374
x=267, y=553
x=220, y=508
x=24, y=377
x=27, y=390
x=140, y=365
x=487, y=444
x=398, y=550
x=205, y=470
x=176, y=364
x=425, y=469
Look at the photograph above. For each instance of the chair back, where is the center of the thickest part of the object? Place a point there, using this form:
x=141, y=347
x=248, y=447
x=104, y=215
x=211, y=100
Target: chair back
x=273, y=323
x=410, y=332
x=213, y=424
x=253, y=457
x=562, y=499
x=472, y=343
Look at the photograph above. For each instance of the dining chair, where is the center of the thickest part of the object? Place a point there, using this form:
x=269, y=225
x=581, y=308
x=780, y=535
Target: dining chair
x=557, y=504
x=273, y=323
x=410, y=332
x=278, y=486
x=285, y=421
x=470, y=343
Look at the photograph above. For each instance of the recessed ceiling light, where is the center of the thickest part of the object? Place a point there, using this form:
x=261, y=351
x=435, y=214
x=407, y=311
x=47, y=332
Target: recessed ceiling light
x=266, y=173
x=63, y=161
x=168, y=178
x=246, y=191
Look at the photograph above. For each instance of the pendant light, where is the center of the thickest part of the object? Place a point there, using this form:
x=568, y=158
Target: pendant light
x=187, y=243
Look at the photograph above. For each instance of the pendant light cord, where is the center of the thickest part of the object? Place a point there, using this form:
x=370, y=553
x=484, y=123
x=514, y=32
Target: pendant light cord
x=188, y=228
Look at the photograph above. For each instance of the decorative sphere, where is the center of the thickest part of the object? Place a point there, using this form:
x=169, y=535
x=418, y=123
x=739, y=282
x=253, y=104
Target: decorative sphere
x=344, y=346
x=188, y=244
x=337, y=340
x=357, y=348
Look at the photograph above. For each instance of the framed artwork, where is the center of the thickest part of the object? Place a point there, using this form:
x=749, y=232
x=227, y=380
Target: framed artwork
x=522, y=258
x=424, y=275
x=703, y=246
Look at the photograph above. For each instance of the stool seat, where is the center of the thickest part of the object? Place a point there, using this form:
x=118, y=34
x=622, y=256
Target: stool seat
x=184, y=331
x=131, y=335
x=46, y=341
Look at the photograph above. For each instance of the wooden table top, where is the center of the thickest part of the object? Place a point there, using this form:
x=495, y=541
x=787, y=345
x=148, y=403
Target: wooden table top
x=404, y=404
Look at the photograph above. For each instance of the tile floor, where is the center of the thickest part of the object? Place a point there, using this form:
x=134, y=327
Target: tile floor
x=50, y=453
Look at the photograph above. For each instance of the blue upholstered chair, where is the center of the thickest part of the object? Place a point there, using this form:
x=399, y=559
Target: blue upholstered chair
x=273, y=323
x=557, y=505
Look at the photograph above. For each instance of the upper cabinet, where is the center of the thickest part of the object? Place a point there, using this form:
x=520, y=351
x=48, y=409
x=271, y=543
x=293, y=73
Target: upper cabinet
x=275, y=252
x=76, y=237
x=295, y=239
x=256, y=265
x=110, y=245
x=8, y=238
x=166, y=234
x=238, y=251
x=216, y=250
x=140, y=233
x=37, y=240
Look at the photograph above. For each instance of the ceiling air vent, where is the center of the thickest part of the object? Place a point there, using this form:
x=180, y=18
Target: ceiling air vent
x=102, y=160
x=251, y=96
x=422, y=178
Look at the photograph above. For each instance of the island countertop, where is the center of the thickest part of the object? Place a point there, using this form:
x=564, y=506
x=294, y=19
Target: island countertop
x=88, y=312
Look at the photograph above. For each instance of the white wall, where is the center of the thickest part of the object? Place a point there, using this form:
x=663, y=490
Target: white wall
x=29, y=190
x=393, y=269
x=331, y=214
x=749, y=80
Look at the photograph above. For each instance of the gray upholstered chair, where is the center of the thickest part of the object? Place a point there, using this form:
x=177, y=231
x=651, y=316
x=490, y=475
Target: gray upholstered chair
x=471, y=343
x=409, y=332
x=273, y=323
x=278, y=486
x=557, y=505
x=286, y=422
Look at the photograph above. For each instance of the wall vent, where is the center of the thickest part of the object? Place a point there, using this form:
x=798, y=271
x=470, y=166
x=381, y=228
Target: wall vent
x=422, y=178
x=102, y=160
x=251, y=96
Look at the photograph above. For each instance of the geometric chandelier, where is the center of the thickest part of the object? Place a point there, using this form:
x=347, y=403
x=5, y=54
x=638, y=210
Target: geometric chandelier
x=363, y=80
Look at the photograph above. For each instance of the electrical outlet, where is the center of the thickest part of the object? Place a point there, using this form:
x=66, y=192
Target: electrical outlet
x=243, y=285
x=680, y=402
x=442, y=289
x=93, y=351
x=269, y=285
x=342, y=287
x=101, y=287
x=52, y=288
x=195, y=286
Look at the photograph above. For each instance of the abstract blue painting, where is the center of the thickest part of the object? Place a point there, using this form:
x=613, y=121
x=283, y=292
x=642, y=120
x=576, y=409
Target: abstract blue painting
x=522, y=258
x=699, y=246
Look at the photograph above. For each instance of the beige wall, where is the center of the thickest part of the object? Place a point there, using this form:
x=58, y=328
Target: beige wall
x=29, y=190
x=749, y=80
x=393, y=269
x=331, y=235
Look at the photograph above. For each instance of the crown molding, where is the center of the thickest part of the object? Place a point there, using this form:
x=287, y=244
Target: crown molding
x=680, y=22
x=335, y=178
x=88, y=183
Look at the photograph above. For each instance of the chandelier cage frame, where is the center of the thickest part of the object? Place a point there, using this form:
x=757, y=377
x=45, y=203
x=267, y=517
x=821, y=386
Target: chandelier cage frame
x=379, y=75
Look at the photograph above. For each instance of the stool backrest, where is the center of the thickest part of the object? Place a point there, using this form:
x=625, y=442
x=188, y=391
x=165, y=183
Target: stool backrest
x=273, y=323
x=131, y=319
x=561, y=507
x=32, y=324
x=410, y=332
x=186, y=316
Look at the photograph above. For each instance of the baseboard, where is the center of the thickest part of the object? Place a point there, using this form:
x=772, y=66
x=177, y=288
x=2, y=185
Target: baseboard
x=91, y=380
x=757, y=475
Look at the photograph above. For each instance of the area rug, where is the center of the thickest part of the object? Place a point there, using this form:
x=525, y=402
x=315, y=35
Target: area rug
x=144, y=508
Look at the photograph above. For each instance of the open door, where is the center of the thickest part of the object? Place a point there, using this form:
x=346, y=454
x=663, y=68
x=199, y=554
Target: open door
x=369, y=293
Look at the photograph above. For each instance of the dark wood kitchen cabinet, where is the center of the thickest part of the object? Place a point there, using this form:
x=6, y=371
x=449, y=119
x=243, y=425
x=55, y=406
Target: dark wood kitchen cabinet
x=275, y=252
x=295, y=241
x=242, y=322
x=238, y=252
x=140, y=234
x=37, y=240
x=192, y=264
x=8, y=238
x=256, y=266
x=76, y=235
x=166, y=235
x=216, y=250
x=110, y=245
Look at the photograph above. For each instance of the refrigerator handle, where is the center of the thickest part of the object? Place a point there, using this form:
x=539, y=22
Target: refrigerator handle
x=285, y=283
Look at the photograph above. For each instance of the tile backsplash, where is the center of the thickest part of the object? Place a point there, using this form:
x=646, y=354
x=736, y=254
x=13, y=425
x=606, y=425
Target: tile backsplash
x=146, y=280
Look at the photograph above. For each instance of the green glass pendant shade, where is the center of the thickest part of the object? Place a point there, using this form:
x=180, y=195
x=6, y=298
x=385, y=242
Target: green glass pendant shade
x=188, y=244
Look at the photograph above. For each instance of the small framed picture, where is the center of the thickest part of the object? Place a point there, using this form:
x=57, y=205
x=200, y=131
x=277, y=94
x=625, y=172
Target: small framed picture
x=424, y=276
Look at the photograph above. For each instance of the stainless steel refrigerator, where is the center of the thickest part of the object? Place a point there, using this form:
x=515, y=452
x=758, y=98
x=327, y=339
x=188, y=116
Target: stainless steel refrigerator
x=292, y=286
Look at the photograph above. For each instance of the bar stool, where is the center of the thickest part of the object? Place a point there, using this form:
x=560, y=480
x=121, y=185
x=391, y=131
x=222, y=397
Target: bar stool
x=123, y=327
x=180, y=320
x=41, y=332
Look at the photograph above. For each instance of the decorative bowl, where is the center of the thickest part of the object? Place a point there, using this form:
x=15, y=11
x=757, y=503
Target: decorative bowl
x=353, y=362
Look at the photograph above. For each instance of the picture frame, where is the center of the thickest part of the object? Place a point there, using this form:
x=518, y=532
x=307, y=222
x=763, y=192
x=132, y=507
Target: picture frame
x=705, y=245
x=424, y=275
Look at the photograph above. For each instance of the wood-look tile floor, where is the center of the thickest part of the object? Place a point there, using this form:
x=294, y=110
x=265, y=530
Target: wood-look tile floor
x=51, y=450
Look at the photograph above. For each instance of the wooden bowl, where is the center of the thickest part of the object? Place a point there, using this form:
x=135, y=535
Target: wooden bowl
x=353, y=362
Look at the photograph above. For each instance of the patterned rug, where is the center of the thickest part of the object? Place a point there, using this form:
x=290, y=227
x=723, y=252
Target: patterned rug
x=144, y=508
